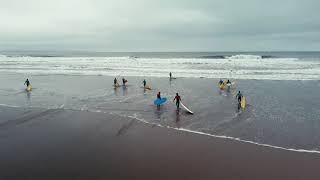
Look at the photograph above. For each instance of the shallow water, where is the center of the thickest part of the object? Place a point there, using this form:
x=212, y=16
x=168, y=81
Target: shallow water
x=279, y=113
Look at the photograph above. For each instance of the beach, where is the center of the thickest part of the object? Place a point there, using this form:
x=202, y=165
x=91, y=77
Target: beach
x=278, y=113
x=75, y=125
x=66, y=144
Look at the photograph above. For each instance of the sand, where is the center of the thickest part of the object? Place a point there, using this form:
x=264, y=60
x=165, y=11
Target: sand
x=66, y=144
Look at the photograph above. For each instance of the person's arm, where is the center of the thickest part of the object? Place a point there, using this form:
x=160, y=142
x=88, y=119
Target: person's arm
x=174, y=99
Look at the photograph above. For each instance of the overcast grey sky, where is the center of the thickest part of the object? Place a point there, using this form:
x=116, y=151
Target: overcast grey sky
x=160, y=25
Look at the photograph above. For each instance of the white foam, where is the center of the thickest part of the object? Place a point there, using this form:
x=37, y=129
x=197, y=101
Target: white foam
x=134, y=116
x=225, y=137
x=245, y=56
x=8, y=105
x=236, y=67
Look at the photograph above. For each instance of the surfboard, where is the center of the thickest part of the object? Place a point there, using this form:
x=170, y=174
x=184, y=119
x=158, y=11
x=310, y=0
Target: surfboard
x=29, y=88
x=243, y=102
x=148, y=87
x=158, y=102
x=221, y=86
x=116, y=86
x=225, y=82
x=187, y=109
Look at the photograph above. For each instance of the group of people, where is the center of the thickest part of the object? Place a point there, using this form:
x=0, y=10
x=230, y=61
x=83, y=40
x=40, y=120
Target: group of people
x=177, y=98
x=239, y=95
x=115, y=82
x=225, y=83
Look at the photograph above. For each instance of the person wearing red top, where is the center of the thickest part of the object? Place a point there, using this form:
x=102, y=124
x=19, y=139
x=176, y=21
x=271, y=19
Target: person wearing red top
x=177, y=99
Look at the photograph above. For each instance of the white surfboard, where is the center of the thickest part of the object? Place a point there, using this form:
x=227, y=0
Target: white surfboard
x=187, y=109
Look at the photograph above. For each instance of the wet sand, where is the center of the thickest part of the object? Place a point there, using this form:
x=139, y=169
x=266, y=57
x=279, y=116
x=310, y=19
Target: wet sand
x=65, y=144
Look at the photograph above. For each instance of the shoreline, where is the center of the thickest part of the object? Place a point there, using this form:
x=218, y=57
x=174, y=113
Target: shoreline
x=270, y=118
x=64, y=144
x=235, y=139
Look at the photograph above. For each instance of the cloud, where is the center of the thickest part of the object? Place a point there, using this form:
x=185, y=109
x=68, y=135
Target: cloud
x=155, y=25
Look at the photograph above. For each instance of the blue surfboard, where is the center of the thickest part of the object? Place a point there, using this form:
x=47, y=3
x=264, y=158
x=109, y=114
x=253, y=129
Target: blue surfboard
x=160, y=101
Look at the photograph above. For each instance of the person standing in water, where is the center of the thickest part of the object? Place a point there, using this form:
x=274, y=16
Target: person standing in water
x=177, y=99
x=115, y=82
x=239, y=96
x=158, y=97
x=27, y=82
x=124, y=81
x=170, y=74
x=228, y=84
x=144, y=83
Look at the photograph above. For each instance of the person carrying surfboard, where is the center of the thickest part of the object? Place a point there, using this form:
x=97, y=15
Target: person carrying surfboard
x=158, y=97
x=124, y=81
x=239, y=96
x=177, y=99
x=27, y=82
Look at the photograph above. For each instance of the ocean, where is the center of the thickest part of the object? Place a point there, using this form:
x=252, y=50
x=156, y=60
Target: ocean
x=250, y=65
x=282, y=91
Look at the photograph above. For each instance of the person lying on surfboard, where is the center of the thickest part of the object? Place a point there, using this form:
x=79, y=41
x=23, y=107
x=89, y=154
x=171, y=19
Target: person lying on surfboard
x=144, y=83
x=27, y=82
x=177, y=99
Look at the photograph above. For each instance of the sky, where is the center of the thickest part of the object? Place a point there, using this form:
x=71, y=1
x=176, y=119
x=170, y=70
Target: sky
x=160, y=25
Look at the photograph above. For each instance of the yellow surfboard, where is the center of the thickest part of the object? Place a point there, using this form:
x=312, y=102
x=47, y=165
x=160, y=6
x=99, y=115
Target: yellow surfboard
x=29, y=88
x=221, y=86
x=243, y=102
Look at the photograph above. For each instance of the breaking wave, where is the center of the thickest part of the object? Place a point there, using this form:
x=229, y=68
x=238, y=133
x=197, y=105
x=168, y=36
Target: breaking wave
x=236, y=66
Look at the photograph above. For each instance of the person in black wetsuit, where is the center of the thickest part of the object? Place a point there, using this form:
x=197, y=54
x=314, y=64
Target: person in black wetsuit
x=115, y=82
x=144, y=83
x=27, y=82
